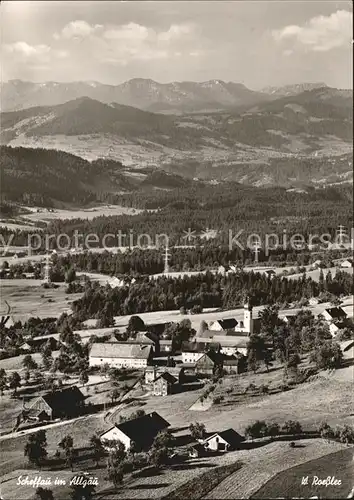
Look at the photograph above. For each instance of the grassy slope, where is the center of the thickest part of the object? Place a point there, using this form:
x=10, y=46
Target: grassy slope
x=288, y=483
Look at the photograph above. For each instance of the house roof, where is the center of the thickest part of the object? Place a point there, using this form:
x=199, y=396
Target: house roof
x=336, y=312
x=168, y=377
x=194, y=346
x=226, y=324
x=215, y=357
x=65, y=398
x=120, y=350
x=233, y=340
x=199, y=448
x=143, y=430
x=229, y=435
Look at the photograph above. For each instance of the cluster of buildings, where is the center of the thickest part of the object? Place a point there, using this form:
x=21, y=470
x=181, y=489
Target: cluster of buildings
x=140, y=432
x=224, y=342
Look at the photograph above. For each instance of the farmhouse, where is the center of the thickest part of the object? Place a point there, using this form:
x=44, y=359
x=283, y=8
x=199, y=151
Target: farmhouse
x=223, y=441
x=207, y=364
x=192, y=351
x=120, y=354
x=60, y=404
x=164, y=384
x=152, y=372
x=140, y=431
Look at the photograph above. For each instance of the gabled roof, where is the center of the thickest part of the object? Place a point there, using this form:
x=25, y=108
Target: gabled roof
x=194, y=347
x=226, y=324
x=144, y=429
x=120, y=350
x=65, y=398
x=232, y=437
x=168, y=377
x=336, y=312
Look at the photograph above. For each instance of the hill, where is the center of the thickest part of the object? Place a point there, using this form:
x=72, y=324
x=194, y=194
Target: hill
x=45, y=177
x=292, y=140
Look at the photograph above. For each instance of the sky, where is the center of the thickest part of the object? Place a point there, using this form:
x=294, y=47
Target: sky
x=258, y=43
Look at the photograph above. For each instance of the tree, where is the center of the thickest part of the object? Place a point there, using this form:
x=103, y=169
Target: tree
x=197, y=430
x=14, y=381
x=47, y=361
x=3, y=381
x=35, y=448
x=116, y=474
x=292, y=427
x=326, y=431
x=83, y=378
x=115, y=468
x=273, y=429
x=135, y=324
x=257, y=429
x=97, y=448
x=292, y=364
x=114, y=395
x=82, y=491
x=269, y=320
x=29, y=363
x=158, y=456
x=67, y=444
x=70, y=275
x=255, y=352
x=346, y=434
x=44, y=494
x=327, y=356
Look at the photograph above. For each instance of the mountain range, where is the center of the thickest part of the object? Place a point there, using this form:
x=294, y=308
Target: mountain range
x=276, y=141
x=175, y=97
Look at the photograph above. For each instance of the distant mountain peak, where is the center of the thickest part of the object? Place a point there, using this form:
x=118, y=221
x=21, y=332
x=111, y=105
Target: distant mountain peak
x=293, y=88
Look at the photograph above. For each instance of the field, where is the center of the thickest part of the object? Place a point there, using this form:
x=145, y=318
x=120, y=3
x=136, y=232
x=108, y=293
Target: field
x=28, y=298
x=262, y=463
x=82, y=213
x=191, y=478
x=287, y=484
x=333, y=404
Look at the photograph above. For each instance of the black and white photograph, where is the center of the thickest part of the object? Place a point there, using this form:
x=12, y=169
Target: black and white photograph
x=176, y=250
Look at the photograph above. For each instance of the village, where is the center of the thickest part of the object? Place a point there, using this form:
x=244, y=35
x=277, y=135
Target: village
x=176, y=391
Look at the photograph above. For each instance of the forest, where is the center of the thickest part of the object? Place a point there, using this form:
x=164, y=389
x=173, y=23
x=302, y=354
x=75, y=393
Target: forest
x=204, y=290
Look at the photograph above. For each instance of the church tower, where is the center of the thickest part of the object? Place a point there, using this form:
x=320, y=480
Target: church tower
x=247, y=318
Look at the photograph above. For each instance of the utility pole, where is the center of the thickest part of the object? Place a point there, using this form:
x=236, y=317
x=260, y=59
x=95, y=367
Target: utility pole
x=341, y=233
x=256, y=248
x=46, y=278
x=167, y=255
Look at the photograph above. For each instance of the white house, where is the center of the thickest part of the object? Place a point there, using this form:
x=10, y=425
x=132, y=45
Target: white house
x=120, y=355
x=192, y=351
x=223, y=441
x=141, y=431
